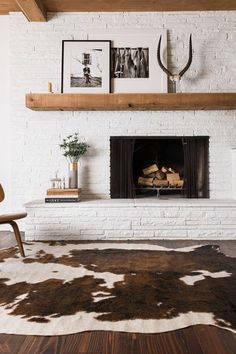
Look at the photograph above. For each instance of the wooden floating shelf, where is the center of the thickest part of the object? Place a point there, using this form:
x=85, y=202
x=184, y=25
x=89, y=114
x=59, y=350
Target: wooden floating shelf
x=131, y=101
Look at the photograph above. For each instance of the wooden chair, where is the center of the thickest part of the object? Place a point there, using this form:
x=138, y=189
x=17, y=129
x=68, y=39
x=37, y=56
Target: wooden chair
x=10, y=219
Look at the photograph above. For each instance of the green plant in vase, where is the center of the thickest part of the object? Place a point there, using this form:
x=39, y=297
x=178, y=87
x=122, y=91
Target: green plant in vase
x=73, y=149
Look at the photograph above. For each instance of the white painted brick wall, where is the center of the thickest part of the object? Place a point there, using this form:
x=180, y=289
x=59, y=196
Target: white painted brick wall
x=132, y=219
x=36, y=59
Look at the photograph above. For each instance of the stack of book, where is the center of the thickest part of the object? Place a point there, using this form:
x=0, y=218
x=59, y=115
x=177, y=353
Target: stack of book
x=56, y=195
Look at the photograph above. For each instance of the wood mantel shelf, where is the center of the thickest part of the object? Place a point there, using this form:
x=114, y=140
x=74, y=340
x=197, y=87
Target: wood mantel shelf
x=131, y=101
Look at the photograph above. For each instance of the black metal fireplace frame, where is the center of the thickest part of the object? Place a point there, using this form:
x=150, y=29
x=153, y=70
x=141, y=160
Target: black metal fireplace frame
x=196, y=163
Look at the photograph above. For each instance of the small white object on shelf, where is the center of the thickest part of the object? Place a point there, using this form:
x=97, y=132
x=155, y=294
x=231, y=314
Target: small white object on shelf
x=56, y=182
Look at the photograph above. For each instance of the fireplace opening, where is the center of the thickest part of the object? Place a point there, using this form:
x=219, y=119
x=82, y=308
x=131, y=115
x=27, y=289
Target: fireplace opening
x=159, y=166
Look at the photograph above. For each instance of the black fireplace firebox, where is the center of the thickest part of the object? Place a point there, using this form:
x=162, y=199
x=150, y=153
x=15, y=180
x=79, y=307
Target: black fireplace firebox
x=171, y=166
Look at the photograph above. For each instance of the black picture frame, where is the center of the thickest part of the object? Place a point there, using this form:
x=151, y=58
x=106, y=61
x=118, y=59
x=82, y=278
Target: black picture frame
x=107, y=87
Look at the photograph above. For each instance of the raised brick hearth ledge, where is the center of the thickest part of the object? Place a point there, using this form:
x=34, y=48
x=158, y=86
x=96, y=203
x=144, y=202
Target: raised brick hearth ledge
x=146, y=218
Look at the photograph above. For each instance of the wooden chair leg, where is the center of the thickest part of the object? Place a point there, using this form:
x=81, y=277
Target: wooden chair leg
x=18, y=237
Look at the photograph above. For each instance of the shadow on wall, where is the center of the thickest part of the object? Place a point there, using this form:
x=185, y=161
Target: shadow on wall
x=85, y=178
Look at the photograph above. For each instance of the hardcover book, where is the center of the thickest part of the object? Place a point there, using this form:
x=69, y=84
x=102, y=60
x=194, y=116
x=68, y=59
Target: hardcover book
x=59, y=199
x=62, y=192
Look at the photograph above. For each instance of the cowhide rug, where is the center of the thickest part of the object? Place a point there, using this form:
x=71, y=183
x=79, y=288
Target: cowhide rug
x=62, y=288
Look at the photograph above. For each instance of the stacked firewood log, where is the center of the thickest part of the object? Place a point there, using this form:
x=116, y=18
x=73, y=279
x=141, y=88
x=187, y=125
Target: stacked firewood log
x=164, y=177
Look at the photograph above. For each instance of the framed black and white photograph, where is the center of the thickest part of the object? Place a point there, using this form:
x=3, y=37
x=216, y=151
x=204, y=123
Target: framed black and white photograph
x=134, y=66
x=86, y=66
x=129, y=63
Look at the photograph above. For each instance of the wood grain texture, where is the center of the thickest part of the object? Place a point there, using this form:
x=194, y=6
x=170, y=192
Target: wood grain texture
x=126, y=5
x=7, y=6
x=33, y=10
x=192, y=340
x=131, y=101
x=139, y=5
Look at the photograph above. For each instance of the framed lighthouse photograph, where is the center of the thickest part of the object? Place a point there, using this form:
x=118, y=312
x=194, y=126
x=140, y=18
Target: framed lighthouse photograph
x=85, y=66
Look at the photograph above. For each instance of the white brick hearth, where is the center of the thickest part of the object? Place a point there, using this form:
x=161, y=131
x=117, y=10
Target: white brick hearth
x=132, y=219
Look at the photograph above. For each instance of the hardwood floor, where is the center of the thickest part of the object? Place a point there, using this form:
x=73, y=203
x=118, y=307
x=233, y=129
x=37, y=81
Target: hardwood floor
x=191, y=340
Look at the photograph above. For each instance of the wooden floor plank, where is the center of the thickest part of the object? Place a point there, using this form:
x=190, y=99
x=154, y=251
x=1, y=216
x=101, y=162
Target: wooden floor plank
x=121, y=343
x=192, y=340
x=167, y=342
x=10, y=344
x=72, y=343
x=189, y=340
x=215, y=340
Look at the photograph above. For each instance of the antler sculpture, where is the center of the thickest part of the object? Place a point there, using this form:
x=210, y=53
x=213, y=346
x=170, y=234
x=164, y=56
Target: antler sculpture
x=175, y=77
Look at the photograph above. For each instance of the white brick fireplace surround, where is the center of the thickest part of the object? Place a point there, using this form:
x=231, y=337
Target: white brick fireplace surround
x=35, y=50
x=132, y=219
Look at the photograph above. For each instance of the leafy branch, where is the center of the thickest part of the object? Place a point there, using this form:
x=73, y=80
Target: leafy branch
x=72, y=148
